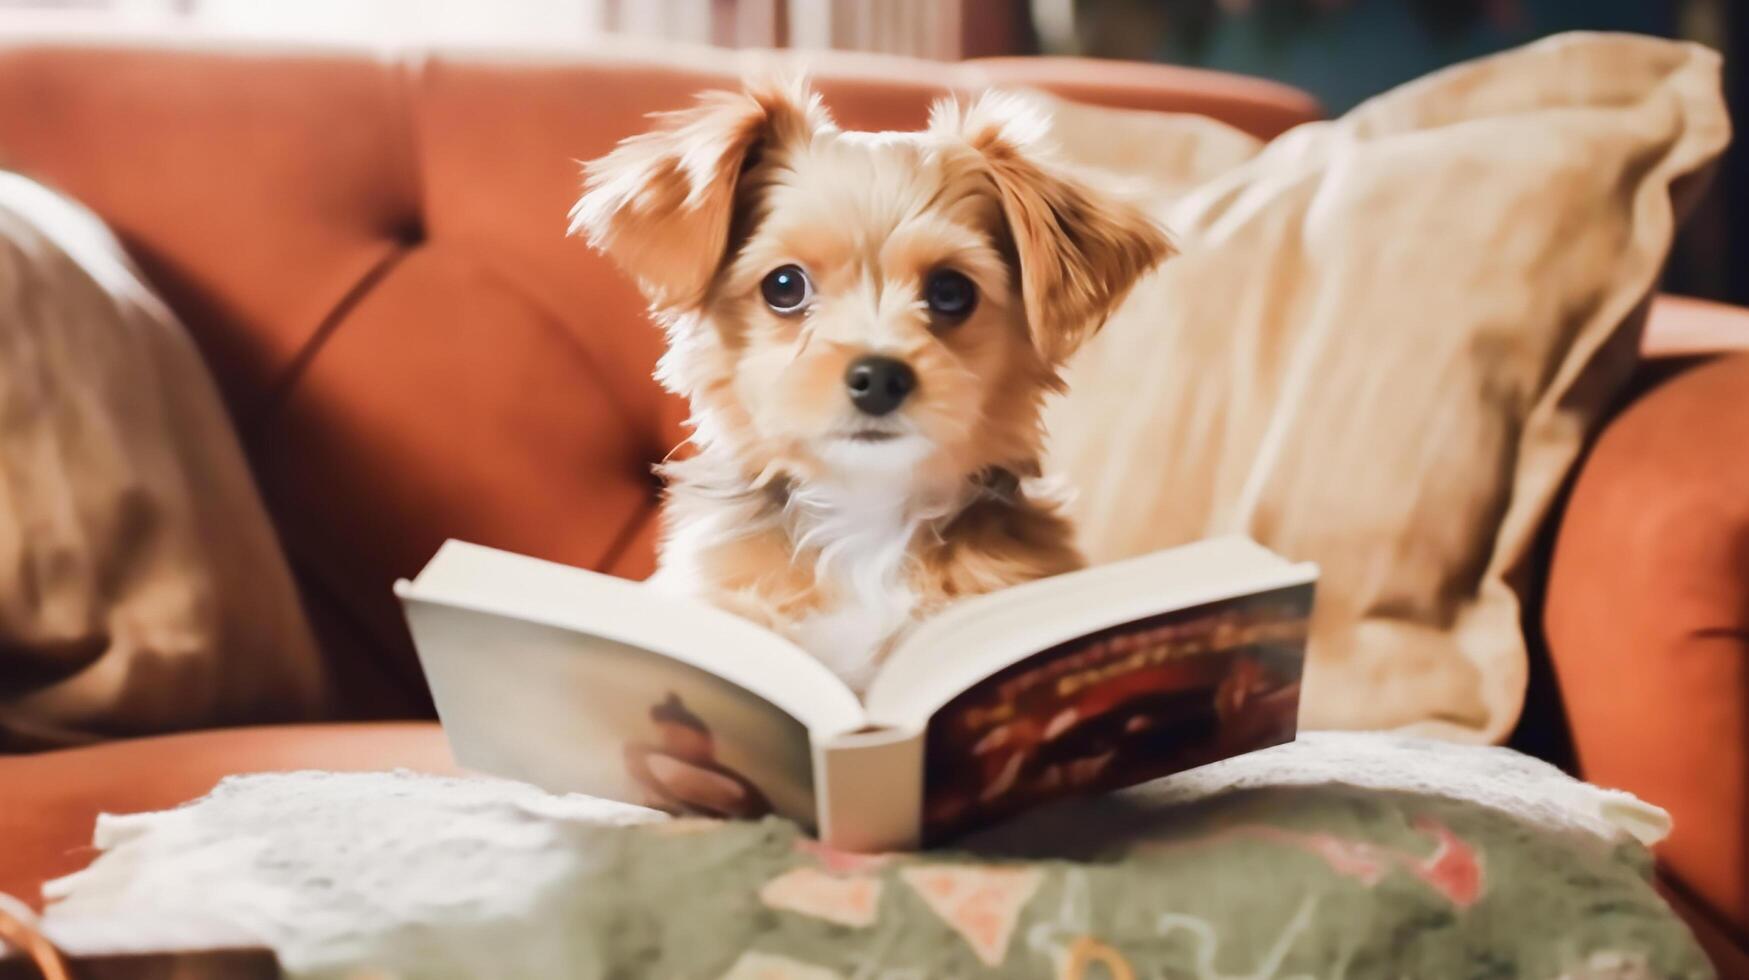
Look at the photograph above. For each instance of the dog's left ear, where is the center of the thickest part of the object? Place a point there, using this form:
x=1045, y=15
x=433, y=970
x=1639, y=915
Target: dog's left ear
x=1079, y=252
x=661, y=203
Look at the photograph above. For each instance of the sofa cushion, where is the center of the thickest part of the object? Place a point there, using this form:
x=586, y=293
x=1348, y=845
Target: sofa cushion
x=1385, y=344
x=141, y=586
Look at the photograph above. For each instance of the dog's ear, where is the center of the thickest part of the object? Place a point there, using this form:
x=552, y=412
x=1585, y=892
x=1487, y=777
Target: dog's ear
x=661, y=202
x=1078, y=251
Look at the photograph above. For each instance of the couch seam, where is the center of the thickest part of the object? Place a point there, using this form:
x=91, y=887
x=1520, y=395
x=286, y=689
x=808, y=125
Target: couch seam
x=403, y=240
x=410, y=73
x=622, y=542
x=643, y=434
x=415, y=70
x=278, y=393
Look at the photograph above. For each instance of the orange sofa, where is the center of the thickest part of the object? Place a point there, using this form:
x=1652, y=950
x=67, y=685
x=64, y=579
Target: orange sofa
x=370, y=253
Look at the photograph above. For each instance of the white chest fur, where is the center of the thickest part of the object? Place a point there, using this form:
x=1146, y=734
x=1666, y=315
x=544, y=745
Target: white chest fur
x=860, y=539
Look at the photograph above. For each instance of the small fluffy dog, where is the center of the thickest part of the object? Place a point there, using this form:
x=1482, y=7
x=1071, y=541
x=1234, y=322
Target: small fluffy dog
x=866, y=325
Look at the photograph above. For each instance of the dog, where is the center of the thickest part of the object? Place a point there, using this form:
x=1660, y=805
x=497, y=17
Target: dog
x=865, y=325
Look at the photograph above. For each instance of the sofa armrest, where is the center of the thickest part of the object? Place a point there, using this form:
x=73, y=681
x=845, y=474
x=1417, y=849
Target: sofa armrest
x=1647, y=620
x=51, y=800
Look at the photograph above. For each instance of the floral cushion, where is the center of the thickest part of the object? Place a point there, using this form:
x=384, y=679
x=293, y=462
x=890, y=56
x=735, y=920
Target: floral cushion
x=1310, y=881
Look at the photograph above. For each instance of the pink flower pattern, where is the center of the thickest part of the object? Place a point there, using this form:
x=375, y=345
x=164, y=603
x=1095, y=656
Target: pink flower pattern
x=1453, y=870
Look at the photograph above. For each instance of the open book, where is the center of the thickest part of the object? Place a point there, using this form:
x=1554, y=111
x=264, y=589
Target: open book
x=579, y=682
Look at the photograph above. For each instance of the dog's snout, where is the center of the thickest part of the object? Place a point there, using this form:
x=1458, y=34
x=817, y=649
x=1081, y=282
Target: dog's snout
x=878, y=385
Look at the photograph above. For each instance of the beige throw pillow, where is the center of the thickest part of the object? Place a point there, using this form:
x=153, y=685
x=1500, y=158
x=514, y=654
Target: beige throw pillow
x=141, y=586
x=1385, y=343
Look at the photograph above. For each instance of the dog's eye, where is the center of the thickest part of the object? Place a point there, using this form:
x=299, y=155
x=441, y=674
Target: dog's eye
x=950, y=294
x=786, y=288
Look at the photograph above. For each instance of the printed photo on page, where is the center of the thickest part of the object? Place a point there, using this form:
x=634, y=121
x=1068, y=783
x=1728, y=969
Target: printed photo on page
x=582, y=713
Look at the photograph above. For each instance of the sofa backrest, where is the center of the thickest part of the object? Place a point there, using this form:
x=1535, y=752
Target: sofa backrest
x=371, y=253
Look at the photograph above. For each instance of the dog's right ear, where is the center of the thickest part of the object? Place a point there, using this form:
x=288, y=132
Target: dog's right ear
x=661, y=203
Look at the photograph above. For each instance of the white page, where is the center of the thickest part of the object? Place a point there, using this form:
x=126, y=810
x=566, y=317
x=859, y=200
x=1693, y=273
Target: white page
x=576, y=713
x=474, y=577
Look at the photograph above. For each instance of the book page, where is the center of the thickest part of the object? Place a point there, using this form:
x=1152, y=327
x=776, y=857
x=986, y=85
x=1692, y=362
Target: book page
x=576, y=713
x=977, y=637
x=1119, y=706
x=518, y=587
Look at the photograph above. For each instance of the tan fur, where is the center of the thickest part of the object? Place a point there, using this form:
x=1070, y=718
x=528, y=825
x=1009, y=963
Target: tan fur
x=774, y=500
x=1079, y=253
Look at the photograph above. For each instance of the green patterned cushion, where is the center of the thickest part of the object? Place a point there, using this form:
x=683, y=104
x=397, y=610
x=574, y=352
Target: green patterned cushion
x=1321, y=881
x=1337, y=856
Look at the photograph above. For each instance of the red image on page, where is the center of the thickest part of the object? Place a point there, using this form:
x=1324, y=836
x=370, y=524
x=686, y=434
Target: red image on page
x=1117, y=707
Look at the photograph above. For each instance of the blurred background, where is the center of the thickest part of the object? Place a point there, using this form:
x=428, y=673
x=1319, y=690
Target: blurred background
x=1342, y=51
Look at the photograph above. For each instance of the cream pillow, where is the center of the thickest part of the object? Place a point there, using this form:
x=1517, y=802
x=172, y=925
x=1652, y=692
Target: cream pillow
x=1385, y=343
x=141, y=586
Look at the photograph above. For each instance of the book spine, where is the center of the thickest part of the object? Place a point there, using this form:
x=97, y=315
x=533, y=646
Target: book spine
x=869, y=788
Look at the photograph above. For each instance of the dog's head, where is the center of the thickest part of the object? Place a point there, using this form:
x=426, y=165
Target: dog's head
x=845, y=304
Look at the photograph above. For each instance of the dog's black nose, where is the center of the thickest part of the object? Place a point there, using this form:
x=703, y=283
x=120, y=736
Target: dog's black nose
x=879, y=384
